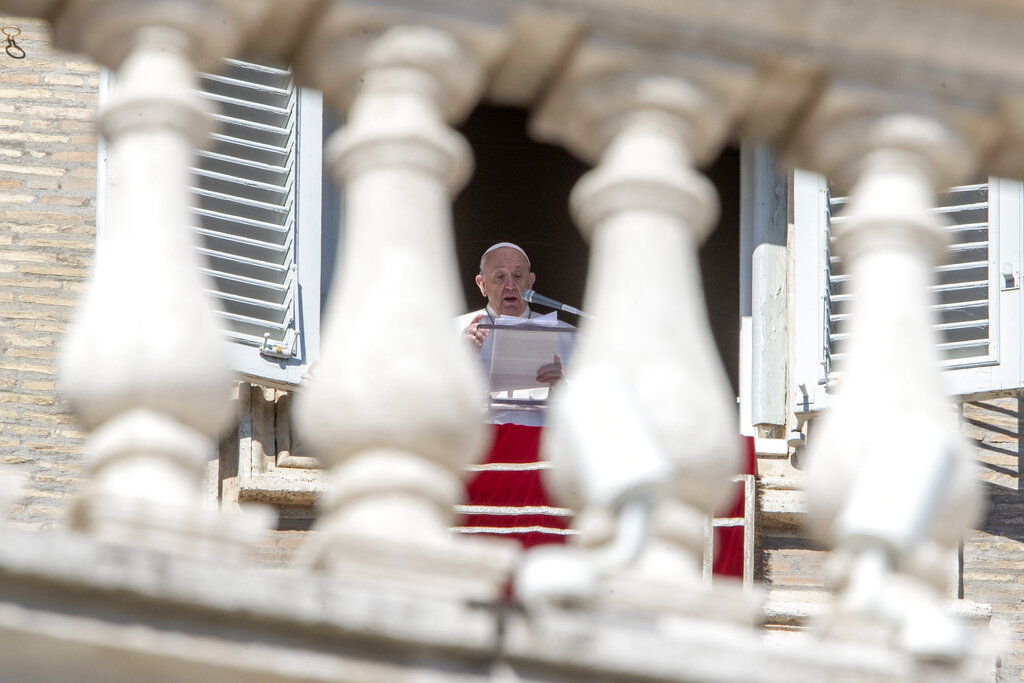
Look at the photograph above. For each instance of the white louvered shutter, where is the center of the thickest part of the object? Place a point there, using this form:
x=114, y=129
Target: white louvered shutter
x=248, y=206
x=978, y=311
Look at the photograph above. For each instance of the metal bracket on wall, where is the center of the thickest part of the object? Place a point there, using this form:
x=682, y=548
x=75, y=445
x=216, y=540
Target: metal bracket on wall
x=12, y=49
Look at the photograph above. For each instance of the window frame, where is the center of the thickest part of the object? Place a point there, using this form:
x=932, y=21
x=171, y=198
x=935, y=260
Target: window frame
x=998, y=373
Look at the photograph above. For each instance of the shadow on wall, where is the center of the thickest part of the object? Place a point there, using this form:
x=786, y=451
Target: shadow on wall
x=993, y=427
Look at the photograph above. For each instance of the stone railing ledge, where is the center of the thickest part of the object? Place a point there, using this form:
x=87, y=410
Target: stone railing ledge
x=332, y=54
x=40, y=9
x=107, y=30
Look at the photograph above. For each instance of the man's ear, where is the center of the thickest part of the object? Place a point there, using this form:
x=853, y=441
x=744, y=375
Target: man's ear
x=532, y=279
x=480, y=284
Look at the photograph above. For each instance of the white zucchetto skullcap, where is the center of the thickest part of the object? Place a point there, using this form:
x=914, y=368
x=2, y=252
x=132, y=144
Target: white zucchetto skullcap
x=499, y=245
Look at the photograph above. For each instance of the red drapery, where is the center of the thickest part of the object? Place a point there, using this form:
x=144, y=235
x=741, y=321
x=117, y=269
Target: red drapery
x=729, y=540
x=509, y=499
x=514, y=486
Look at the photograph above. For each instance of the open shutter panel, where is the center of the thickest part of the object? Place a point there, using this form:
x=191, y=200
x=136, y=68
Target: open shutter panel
x=978, y=309
x=245, y=205
x=961, y=291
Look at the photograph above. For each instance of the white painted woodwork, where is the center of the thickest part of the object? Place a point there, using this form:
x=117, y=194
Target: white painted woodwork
x=978, y=308
x=763, y=217
x=395, y=406
x=258, y=210
x=892, y=494
x=810, y=211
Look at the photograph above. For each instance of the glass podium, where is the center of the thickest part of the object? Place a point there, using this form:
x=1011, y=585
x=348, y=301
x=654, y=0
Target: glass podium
x=513, y=353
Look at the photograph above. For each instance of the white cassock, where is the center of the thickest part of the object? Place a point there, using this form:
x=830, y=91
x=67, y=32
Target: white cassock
x=530, y=417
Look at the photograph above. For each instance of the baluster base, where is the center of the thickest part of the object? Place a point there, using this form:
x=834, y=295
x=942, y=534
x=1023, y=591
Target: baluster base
x=617, y=567
x=197, y=533
x=477, y=569
x=387, y=520
x=143, y=491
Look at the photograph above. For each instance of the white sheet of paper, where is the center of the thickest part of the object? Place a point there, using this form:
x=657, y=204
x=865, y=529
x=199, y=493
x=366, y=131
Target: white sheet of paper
x=515, y=349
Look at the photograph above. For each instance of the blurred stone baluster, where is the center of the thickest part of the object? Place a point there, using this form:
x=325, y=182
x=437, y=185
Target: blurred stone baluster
x=643, y=438
x=145, y=368
x=10, y=490
x=891, y=486
x=395, y=406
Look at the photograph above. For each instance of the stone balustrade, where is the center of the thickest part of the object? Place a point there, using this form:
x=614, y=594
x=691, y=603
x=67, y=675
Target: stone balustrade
x=654, y=390
x=643, y=438
x=894, y=498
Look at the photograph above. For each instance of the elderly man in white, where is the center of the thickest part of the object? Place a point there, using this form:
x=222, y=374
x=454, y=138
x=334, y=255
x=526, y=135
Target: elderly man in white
x=504, y=274
x=506, y=495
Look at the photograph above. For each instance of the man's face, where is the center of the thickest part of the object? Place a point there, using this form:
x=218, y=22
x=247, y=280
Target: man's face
x=506, y=274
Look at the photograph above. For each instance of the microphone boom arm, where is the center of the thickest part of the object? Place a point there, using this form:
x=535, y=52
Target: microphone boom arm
x=533, y=297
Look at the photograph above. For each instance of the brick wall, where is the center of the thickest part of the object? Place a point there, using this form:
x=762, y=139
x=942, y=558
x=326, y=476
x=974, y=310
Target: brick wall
x=47, y=228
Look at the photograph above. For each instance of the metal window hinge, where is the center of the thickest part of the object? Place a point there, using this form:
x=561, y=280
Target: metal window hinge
x=285, y=348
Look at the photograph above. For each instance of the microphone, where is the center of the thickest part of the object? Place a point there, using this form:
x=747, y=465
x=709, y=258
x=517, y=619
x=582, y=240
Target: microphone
x=534, y=298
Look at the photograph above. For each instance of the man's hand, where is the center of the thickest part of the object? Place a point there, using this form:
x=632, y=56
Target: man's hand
x=475, y=334
x=552, y=373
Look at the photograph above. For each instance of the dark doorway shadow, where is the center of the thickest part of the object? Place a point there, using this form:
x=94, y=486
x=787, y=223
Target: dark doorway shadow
x=519, y=192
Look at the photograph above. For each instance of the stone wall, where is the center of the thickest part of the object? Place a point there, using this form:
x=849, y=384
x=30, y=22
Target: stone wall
x=993, y=555
x=48, y=153
x=992, y=569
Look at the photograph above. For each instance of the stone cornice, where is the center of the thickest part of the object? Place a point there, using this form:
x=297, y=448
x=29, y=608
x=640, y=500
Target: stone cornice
x=902, y=43
x=952, y=55
x=952, y=59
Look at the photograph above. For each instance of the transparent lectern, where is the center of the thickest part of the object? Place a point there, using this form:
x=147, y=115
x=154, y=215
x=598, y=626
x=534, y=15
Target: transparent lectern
x=513, y=352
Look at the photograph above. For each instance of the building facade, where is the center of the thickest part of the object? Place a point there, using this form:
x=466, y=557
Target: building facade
x=73, y=198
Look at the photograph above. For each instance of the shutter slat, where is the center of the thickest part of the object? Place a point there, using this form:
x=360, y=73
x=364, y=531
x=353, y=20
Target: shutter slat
x=953, y=355
x=961, y=306
x=250, y=152
x=210, y=156
x=271, y=107
x=270, y=310
x=251, y=330
x=941, y=327
x=278, y=290
x=262, y=212
x=839, y=220
x=249, y=183
x=238, y=270
x=229, y=224
x=238, y=193
x=239, y=245
x=946, y=308
x=219, y=83
x=276, y=129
